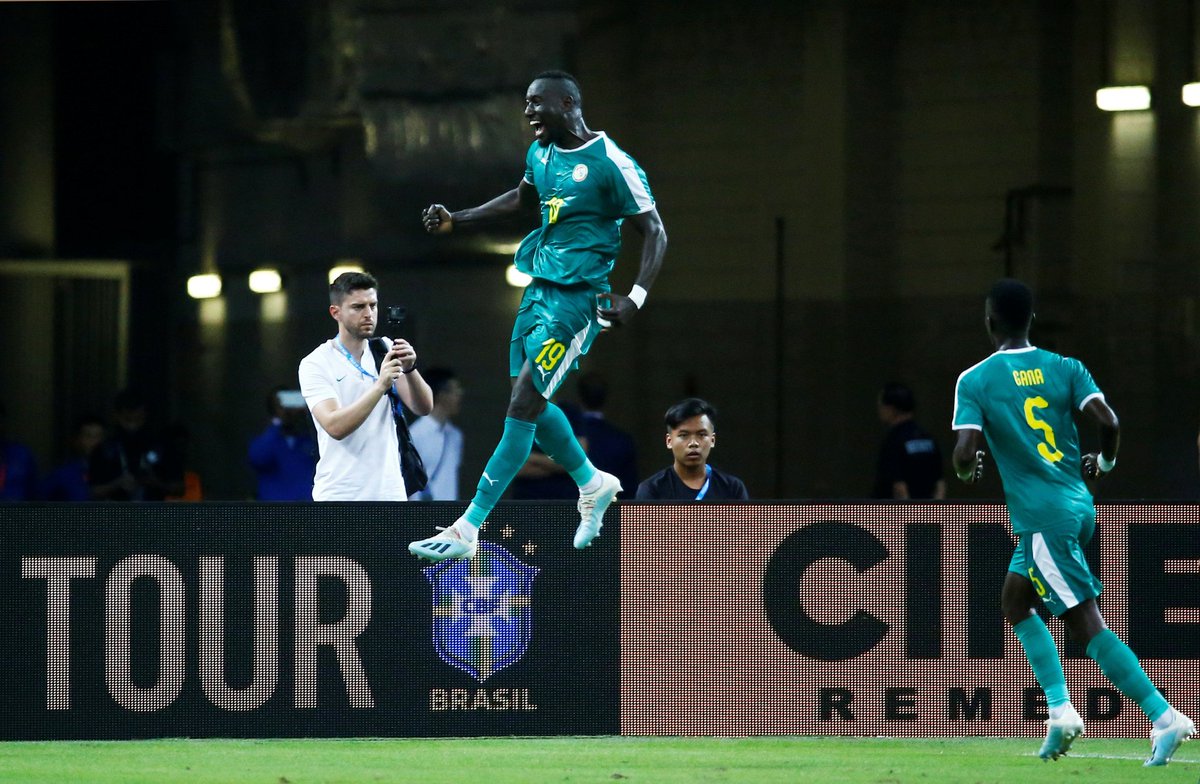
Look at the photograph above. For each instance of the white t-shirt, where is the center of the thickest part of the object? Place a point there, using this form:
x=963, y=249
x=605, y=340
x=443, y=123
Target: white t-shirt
x=441, y=448
x=365, y=465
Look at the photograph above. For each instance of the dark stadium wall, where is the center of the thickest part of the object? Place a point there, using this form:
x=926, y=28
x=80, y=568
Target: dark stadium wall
x=897, y=157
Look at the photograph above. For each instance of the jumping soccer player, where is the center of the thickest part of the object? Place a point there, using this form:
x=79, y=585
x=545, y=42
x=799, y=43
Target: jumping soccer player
x=584, y=186
x=1021, y=399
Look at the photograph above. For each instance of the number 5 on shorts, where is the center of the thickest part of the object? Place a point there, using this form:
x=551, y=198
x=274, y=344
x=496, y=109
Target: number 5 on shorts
x=1037, y=584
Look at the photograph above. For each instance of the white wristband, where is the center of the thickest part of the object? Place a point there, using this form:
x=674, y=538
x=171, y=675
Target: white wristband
x=1104, y=464
x=638, y=295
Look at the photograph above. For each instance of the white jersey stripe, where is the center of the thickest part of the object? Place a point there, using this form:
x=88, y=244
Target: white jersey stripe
x=625, y=165
x=954, y=411
x=1049, y=569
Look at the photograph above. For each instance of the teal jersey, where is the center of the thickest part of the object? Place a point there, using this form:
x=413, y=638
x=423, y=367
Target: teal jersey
x=585, y=194
x=1023, y=400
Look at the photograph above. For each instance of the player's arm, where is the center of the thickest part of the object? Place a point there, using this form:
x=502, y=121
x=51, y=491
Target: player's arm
x=1096, y=465
x=654, y=246
x=523, y=198
x=968, y=455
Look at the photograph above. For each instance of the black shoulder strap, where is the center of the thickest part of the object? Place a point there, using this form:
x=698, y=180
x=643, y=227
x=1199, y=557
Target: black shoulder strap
x=378, y=350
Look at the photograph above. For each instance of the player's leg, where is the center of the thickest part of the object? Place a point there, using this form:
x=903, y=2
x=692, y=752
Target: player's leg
x=1117, y=661
x=564, y=331
x=461, y=539
x=1018, y=599
x=1061, y=574
x=597, y=489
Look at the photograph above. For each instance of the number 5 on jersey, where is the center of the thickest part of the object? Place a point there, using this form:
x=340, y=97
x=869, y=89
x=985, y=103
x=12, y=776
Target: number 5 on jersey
x=1046, y=448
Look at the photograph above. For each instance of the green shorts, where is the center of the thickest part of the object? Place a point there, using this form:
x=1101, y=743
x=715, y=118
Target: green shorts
x=555, y=326
x=1054, y=562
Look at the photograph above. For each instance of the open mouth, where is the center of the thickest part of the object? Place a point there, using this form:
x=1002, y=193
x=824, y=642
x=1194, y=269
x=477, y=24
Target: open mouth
x=538, y=129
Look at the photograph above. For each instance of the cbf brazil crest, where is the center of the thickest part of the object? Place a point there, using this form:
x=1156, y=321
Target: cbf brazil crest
x=482, y=614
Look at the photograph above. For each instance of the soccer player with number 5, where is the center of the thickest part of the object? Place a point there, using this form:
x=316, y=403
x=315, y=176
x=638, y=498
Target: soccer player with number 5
x=584, y=186
x=1022, y=399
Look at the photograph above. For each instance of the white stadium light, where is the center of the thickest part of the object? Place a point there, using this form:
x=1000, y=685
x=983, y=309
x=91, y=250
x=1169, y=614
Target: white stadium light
x=516, y=278
x=347, y=265
x=1123, y=99
x=204, y=286
x=1191, y=93
x=265, y=281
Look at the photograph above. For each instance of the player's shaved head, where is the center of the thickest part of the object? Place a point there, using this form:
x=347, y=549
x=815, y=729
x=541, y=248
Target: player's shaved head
x=565, y=82
x=1011, y=306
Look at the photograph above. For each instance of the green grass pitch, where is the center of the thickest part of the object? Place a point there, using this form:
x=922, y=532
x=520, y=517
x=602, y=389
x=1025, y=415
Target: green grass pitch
x=605, y=759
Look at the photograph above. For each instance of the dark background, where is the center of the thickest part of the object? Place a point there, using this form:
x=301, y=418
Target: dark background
x=841, y=181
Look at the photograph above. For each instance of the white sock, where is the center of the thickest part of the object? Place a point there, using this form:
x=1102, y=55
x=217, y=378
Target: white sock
x=465, y=529
x=1164, y=721
x=1057, y=711
x=591, y=485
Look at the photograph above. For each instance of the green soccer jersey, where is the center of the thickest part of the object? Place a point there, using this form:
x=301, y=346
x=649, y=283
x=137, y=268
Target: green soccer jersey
x=1023, y=401
x=585, y=194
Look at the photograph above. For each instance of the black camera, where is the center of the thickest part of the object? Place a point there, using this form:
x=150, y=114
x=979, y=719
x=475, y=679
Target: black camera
x=396, y=315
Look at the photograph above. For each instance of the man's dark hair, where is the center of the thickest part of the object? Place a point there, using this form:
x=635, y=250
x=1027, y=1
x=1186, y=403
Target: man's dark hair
x=593, y=391
x=898, y=396
x=438, y=378
x=350, y=281
x=569, y=84
x=1012, y=306
x=686, y=409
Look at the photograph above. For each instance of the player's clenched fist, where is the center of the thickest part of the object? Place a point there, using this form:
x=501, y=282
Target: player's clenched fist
x=437, y=220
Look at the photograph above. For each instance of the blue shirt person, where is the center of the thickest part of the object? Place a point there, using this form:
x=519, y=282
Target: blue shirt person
x=284, y=455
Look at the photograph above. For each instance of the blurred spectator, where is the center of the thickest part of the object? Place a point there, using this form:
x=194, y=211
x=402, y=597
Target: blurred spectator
x=18, y=470
x=179, y=438
x=438, y=440
x=69, y=482
x=691, y=436
x=284, y=456
x=134, y=464
x=910, y=463
x=607, y=446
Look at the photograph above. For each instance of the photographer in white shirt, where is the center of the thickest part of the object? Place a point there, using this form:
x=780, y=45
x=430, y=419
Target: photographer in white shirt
x=347, y=394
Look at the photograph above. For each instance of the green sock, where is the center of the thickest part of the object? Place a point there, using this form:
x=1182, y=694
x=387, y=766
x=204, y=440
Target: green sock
x=510, y=455
x=1120, y=665
x=1043, y=658
x=555, y=437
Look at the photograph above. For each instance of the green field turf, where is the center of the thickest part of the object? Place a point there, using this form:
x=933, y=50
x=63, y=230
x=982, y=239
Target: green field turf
x=608, y=759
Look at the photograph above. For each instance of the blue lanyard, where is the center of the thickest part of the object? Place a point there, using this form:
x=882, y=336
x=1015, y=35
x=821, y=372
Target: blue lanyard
x=393, y=398
x=707, y=480
x=353, y=361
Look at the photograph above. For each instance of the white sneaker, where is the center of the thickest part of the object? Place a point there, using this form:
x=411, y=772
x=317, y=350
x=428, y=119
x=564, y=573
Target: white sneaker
x=446, y=545
x=1165, y=742
x=591, y=508
x=1061, y=733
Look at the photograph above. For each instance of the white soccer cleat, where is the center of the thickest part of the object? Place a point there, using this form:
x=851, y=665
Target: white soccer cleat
x=446, y=545
x=591, y=508
x=1061, y=733
x=1165, y=742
